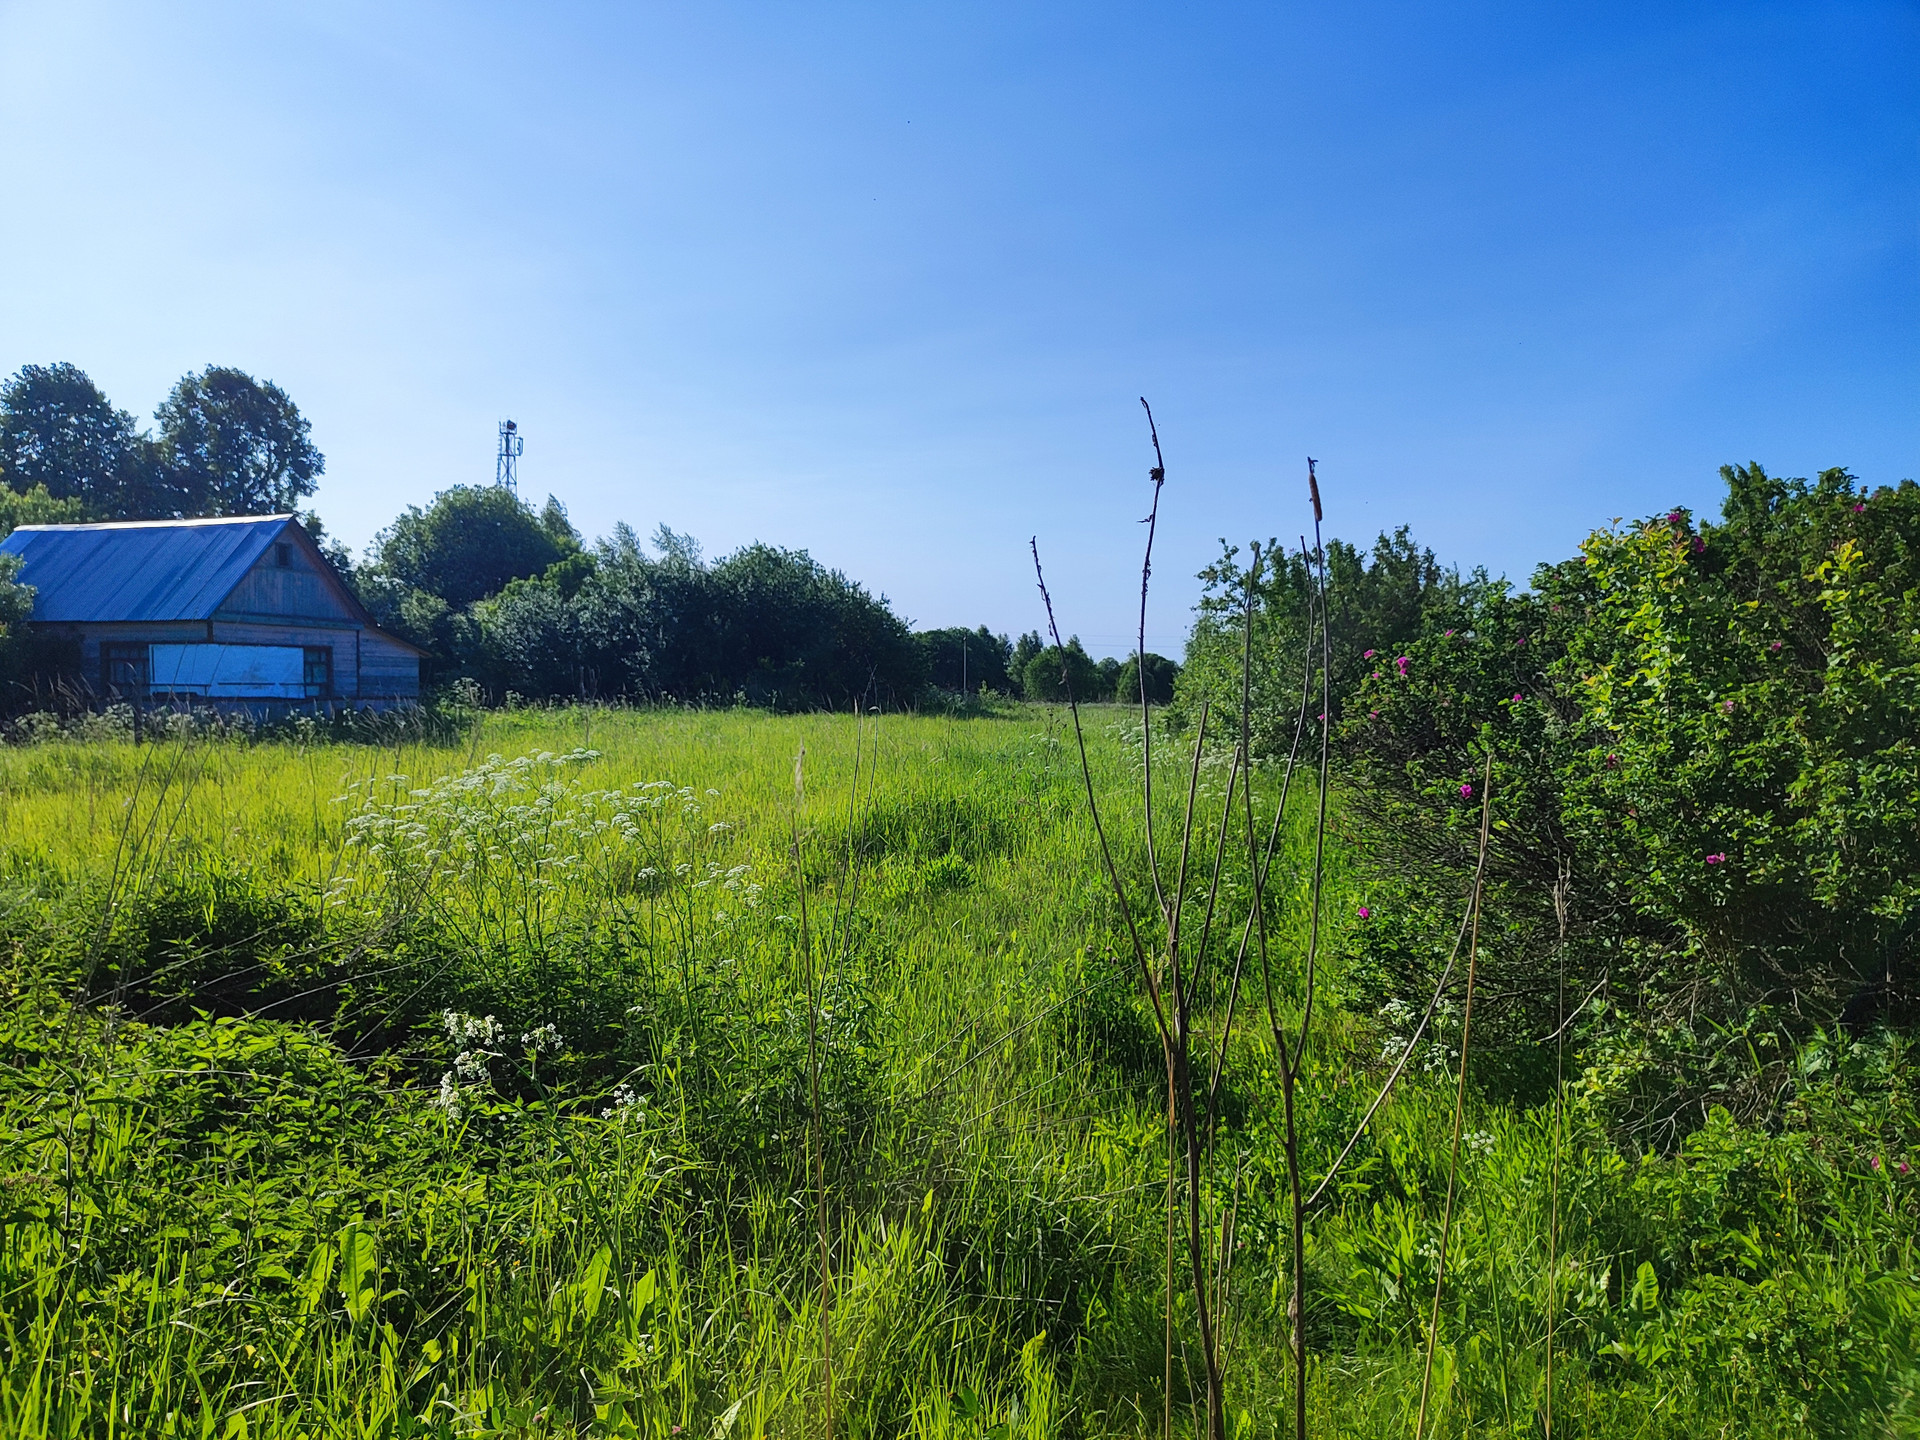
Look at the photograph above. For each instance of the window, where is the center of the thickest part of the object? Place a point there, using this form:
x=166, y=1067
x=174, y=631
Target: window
x=123, y=669
x=319, y=672
x=283, y=556
x=230, y=672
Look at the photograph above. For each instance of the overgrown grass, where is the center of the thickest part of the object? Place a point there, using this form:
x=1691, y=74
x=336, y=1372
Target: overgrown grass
x=255, y=1182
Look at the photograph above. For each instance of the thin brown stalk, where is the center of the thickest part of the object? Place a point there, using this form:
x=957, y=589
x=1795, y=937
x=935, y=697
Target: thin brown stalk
x=1159, y=477
x=1459, y=1108
x=1166, y=1417
x=1219, y=862
x=1292, y=1060
x=1326, y=743
x=1173, y=1001
x=1177, y=1042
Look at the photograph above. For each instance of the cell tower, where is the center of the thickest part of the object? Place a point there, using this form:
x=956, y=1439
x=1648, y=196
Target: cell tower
x=506, y=468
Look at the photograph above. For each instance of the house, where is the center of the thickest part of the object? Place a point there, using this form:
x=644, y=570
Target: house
x=238, y=613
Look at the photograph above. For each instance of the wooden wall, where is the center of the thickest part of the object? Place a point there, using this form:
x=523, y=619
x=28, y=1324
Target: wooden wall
x=301, y=588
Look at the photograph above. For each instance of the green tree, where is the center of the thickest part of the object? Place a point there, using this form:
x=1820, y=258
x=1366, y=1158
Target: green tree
x=37, y=507
x=527, y=639
x=963, y=660
x=1162, y=675
x=1379, y=599
x=765, y=625
x=1042, y=679
x=1024, y=649
x=60, y=432
x=468, y=544
x=232, y=445
x=793, y=633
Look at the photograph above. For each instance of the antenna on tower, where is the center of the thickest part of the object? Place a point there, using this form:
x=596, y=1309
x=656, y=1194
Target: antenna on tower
x=506, y=469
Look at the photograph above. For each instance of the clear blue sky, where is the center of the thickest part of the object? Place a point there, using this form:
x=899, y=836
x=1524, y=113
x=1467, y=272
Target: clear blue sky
x=883, y=281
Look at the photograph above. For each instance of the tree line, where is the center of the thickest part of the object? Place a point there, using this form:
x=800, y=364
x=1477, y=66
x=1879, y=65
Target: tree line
x=504, y=596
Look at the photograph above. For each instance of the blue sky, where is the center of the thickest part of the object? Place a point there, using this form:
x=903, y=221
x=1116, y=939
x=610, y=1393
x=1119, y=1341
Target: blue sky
x=884, y=281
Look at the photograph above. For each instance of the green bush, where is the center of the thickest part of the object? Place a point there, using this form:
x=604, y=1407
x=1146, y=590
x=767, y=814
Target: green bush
x=1712, y=731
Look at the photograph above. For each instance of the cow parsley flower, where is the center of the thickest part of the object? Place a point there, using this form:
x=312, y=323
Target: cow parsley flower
x=625, y=1101
x=472, y=1032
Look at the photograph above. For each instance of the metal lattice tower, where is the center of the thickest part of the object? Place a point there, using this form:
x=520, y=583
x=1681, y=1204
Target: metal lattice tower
x=506, y=468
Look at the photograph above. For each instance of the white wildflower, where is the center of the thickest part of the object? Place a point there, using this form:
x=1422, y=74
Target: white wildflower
x=625, y=1101
x=473, y=1032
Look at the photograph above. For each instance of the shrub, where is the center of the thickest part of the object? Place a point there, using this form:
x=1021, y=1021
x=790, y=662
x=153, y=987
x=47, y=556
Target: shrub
x=1713, y=733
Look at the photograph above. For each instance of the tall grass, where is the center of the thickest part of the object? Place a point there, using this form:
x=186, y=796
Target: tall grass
x=235, y=1201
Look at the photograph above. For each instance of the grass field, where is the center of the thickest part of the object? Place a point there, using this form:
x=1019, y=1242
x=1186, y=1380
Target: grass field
x=850, y=1117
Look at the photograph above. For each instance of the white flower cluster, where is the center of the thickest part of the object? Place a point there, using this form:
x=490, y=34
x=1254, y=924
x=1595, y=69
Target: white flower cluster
x=516, y=840
x=626, y=1103
x=480, y=1040
x=1433, y=1056
x=472, y=1031
x=475, y=1035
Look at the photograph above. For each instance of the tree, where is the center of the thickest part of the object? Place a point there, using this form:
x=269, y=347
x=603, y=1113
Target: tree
x=764, y=625
x=1161, y=675
x=468, y=544
x=37, y=507
x=964, y=660
x=527, y=639
x=232, y=445
x=58, y=431
x=1024, y=649
x=1379, y=600
x=792, y=633
x=1042, y=677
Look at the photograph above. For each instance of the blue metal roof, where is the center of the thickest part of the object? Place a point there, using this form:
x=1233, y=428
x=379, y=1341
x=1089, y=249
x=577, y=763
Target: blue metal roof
x=138, y=570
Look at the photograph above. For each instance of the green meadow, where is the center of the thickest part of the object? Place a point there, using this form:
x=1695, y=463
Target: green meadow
x=600, y=1072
